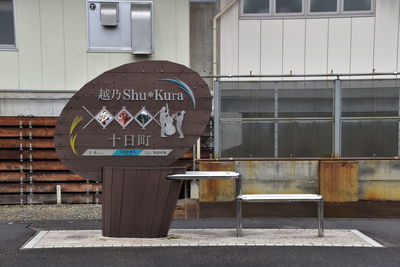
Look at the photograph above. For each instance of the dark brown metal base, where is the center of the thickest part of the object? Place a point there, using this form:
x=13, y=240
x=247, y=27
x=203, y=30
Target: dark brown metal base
x=139, y=202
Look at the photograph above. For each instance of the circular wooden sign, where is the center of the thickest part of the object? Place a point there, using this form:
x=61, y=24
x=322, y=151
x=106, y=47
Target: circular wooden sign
x=144, y=114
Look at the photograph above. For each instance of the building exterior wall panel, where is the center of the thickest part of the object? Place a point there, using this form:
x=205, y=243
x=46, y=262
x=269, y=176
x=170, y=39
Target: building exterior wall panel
x=293, y=46
x=249, y=47
x=271, y=46
x=339, y=45
x=52, y=44
x=28, y=28
x=362, y=45
x=76, y=58
x=229, y=40
x=9, y=72
x=316, y=56
x=386, y=35
x=53, y=55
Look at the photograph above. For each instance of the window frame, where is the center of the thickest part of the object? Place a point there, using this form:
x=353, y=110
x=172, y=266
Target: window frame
x=330, y=13
x=291, y=14
x=255, y=14
x=359, y=11
x=12, y=47
x=306, y=12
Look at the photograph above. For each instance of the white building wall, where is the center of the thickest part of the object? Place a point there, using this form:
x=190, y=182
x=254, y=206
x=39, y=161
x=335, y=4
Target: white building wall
x=311, y=45
x=52, y=44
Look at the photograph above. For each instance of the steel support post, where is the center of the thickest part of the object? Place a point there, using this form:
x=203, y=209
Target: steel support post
x=217, y=114
x=337, y=119
x=321, y=218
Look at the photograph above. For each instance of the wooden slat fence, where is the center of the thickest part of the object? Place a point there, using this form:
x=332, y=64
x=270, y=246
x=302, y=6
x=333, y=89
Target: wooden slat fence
x=30, y=169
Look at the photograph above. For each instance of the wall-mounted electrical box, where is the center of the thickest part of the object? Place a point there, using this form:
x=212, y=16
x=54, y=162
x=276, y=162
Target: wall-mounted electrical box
x=120, y=26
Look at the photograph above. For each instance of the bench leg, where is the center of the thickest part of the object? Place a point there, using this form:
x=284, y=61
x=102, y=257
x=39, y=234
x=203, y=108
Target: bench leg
x=321, y=218
x=238, y=218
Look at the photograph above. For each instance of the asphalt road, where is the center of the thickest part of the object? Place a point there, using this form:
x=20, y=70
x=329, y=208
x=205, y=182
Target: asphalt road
x=387, y=232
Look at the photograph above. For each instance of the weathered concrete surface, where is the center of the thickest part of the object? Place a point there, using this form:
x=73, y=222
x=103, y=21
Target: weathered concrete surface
x=201, y=16
x=379, y=179
x=263, y=177
x=36, y=104
x=362, y=180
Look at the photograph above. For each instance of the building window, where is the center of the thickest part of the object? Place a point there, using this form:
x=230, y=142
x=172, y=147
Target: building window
x=7, y=31
x=288, y=6
x=256, y=7
x=321, y=6
x=304, y=8
x=282, y=119
x=357, y=5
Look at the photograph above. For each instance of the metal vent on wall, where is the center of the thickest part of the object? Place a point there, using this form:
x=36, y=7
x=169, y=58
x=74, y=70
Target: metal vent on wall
x=120, y=26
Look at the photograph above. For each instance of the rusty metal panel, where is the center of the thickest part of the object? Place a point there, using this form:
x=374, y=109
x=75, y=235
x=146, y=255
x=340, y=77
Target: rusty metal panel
x=339, y=181
x=217, y=190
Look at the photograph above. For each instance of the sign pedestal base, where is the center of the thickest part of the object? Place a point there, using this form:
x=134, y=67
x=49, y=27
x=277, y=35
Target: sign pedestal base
x=139, y=202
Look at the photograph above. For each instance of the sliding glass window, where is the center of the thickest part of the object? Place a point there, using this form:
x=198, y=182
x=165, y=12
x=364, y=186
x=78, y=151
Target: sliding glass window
x=7, y=27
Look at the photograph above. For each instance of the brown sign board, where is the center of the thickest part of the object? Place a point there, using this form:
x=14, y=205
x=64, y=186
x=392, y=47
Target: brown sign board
x=144, y=114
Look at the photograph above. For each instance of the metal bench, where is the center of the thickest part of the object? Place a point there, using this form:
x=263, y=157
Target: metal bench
x=200, y=175
x=190, y=175
x=279, y=198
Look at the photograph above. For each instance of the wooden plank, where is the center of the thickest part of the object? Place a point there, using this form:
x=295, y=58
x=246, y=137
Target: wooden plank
x=26, y=155
x=38, y=165
x=12, y=166
x=10, y=154
x=34, y=121
x=26, y=132
x=12, y=199
x=27, y=144
x=12, y=177
x=49, y=187
x=338, y=181
x=56, y=177
x=65, y=198
x=47, y=165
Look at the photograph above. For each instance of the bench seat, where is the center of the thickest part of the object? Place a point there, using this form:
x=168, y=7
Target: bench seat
x=279, y=198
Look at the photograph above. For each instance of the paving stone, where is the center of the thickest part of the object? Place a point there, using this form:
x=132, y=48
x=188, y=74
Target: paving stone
x=202, y=237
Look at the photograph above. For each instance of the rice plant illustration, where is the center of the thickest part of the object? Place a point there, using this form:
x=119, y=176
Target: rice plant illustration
x=72, y=137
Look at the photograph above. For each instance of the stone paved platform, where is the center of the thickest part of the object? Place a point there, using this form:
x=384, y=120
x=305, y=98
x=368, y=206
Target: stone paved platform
x=204, y=237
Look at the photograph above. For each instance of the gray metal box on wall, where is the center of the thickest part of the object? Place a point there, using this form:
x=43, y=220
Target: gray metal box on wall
x=120, y=26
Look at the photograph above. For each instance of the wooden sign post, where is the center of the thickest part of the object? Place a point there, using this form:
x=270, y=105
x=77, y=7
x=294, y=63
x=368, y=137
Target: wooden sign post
x=126, y=128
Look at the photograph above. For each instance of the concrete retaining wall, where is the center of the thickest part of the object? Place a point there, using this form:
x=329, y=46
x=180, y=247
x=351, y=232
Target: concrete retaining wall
x=377, y=179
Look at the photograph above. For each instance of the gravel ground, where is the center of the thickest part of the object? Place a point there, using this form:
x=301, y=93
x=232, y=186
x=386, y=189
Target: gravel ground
x=67, y=212
x=29, y=213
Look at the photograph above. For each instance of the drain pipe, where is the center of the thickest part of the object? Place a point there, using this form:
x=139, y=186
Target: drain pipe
x=215, y=33
x=198, y=145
